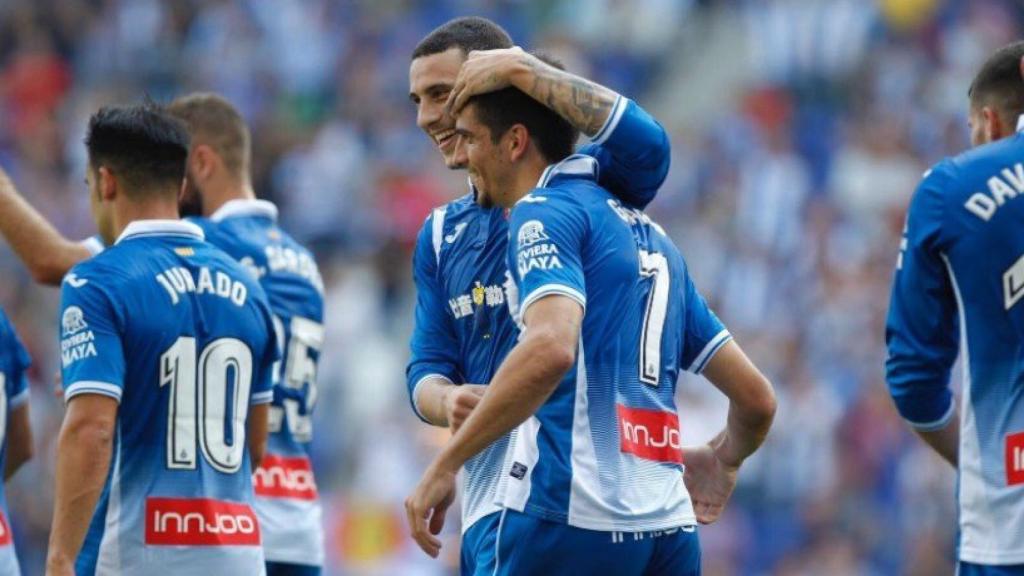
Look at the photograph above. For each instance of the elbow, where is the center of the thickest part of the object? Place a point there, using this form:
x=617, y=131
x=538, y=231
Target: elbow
x=90, y=433
x=759, y=408
x=47, y=273
x=555, y=352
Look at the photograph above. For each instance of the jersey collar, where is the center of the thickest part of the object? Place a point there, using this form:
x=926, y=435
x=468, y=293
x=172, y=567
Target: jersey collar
x=575, y=165
x=1020, y=123
x=160, y=228
x=245, y=207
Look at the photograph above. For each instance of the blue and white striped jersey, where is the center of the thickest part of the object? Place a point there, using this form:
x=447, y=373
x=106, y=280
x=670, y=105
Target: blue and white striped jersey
x=182, y=337
x=604, y=452
x=463, y=329
x=957, y=289
x=287, y=501
x=14, y=361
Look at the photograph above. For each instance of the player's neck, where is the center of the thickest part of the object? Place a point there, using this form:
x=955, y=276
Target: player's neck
x=128, y=212
x=214, y=197
x=525, y=180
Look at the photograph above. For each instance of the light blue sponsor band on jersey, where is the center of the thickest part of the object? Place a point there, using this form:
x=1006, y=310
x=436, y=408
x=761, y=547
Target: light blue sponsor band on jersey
x=18, y=399
x=92, y=387
x=549, y=289
x=709, y=351
x=416, y=392
x=613, y=120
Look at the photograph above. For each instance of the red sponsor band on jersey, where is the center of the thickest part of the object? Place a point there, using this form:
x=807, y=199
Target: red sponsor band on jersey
x=200, y=522
x=1015, y=459
x=280, y=477
x=5, y=530
x=650, y=434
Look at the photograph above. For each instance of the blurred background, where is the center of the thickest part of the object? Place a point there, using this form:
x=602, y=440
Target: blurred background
x=799, y=131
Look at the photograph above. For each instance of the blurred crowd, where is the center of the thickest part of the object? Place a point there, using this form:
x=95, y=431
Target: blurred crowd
x=799, y=131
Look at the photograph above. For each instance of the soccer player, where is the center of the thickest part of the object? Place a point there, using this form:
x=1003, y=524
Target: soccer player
x=593, y=480
x=15, y=432
x=958, y=284
x=463, y=329
x=218, y=188
x=167, y=353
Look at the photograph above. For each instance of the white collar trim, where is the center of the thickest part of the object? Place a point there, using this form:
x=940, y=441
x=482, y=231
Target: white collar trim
x=245, y=207
x=1020, y=123
x=577, y=165
x=160, y=228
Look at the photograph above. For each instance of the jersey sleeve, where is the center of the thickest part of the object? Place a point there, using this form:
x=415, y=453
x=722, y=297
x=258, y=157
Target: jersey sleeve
x=546, y=238
x=633, y=152
x=94, y=244
x=433, y=346
x=18, y=362
x=704, y=334
x=921, y=331
x=92, y=356
x=266, y=362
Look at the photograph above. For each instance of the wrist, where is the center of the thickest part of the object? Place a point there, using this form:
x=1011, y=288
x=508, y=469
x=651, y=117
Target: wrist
x=725, y=454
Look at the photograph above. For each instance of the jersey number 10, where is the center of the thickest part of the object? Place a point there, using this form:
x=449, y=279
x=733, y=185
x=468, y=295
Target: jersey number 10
x=202, y=400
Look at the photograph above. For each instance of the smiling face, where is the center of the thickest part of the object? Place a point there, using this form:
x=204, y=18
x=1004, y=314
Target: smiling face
x=488, y=162
x=431, y=79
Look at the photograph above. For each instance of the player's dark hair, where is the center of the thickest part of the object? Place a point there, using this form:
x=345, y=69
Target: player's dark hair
x=141, y=144
x=554, y=136
x=467, y=34
x=999, y=83
x=215, y=122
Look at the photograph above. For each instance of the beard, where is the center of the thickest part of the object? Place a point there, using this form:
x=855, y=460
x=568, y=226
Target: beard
x=191, y=201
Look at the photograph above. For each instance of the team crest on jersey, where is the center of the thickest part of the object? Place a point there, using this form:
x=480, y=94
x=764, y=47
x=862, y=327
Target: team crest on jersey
x=531, y=232
x=73, y=321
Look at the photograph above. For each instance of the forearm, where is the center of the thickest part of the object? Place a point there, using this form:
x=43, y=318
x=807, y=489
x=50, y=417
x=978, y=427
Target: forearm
x=743, y=435
x=525, y=380
x=945, y=441
x=47, y=254
x=83, y=459
x=584, y=104
x=430, y=396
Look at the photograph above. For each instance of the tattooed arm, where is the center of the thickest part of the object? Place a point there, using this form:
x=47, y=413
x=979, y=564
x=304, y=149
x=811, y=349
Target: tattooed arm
x=584, y=104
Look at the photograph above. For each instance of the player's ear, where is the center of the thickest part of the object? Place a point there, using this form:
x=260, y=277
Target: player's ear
x=994, y=129
x=203, y=161
x=517, y=140
x=107, y=187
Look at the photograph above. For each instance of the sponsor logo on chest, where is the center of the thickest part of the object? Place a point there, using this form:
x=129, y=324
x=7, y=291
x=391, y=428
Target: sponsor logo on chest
x=650, y=434
x=1015, y=459
x=479, y=296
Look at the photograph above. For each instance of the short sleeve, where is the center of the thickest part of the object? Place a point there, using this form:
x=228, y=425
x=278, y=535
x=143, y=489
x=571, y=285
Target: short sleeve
x=434, y=344
x=92, y=355
x=704, y=334
x=921, y=330
x=546, y=239
x=633, y=152
x=265, y=376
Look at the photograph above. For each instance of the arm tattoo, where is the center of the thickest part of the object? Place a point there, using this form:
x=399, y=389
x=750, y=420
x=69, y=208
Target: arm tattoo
x=582, y=103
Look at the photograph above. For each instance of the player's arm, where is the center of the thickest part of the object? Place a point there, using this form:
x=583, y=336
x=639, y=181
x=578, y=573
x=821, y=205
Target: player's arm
x=93, y=384
x=84, y=449
x=921, y=331
x=19, y=439
x=432, y=372
x=45, y=251
x=256, y=433
x=525, y=380
x=752, y=404
x=631, y=147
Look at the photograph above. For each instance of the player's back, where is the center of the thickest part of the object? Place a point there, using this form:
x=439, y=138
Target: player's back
x=603, y=452
x=287, y=499
x=180, y=334
x=14, y=361
x=961, y=271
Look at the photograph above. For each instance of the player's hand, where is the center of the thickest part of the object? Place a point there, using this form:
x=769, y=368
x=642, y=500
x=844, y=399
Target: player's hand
x=709, y=481
x=426, y=508
x=460, y=402
x=485, y=71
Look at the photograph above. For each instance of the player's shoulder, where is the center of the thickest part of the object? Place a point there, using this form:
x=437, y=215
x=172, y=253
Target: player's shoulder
x=446, y=216
x=973, y=168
